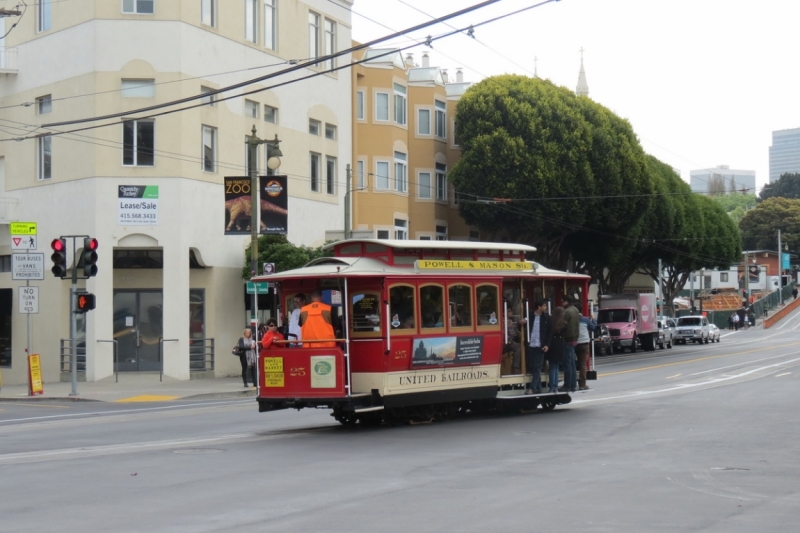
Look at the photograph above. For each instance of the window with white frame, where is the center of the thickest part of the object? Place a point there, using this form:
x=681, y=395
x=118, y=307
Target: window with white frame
x=723, y=277
x=209, y=149
x=313, y=35
x=138, y=88
x=400, y=172
x=44, y=157
x=441, y=233
x=138, y=7
x=314, y=170
x=382, y=175
x=382, y=107
x=250, y=109
x=400, y=229
x=441, y=182
x=270, y=114
x=43, y=15
x=330, y=131
x=314, y=126
x=208, y=12
x=441, y=119
x=44, y=104
x=271, y=24
x=330, y=43
x=330, y=175
x=361, y=178
x=400, y=104
x=210, y=99
x=138, y=143
x=251, y=20
x=424, y=184
x=360, y=105
x=423, y=121
x=383, y=234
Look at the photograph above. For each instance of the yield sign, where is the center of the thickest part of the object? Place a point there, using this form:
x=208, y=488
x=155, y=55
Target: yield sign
x=23, y=242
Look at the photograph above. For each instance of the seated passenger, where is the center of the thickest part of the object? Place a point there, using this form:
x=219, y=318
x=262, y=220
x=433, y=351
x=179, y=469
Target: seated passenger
x=272, y=334
x=316, y=323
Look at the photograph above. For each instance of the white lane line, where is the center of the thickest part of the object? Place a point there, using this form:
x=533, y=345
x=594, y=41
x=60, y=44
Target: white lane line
x=684, y=386
x=126, y=411
x=784, y=374
x=675, y=376
x=748, y=362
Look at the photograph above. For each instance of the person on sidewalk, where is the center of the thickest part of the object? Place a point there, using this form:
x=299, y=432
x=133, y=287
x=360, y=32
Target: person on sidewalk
x=272, y=334
x=730, y=322
x=316, y=323
x=794, y=293
x=572, y=320
x=248, y=356
x=582, y=348
x=735, y=321
x=540, y=335
x=556, y=351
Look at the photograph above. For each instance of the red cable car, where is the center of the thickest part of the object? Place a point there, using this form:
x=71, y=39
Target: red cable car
x=421, y=330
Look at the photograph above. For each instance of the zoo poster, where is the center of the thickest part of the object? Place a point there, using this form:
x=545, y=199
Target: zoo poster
x=273, y=202
x=436, y=351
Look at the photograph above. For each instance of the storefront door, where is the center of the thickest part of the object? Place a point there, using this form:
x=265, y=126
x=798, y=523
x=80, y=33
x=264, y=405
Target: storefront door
x=138, y=326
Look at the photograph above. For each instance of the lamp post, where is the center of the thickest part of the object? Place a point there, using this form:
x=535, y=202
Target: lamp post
x=273, y=163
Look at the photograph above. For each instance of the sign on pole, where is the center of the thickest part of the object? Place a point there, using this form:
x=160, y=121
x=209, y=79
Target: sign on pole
x=26, y=242
x=27, y=266
x=262, y=286
x=22, y=228
x=269, y=269
x=29, y=300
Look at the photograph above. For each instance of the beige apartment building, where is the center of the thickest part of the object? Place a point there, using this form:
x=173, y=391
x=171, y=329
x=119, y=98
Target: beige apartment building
x=403, y=147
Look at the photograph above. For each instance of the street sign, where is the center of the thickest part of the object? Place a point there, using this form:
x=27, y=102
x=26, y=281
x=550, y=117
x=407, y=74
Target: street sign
x=263, y=287
x=22, y=228
x=27, y=266
x=269, y=269
x=23, y=242
x=29, y=300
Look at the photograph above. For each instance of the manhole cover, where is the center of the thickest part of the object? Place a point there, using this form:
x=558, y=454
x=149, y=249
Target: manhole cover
x=198, y=450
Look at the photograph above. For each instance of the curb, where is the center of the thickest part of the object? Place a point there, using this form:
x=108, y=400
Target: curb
x=47, y=398
x=222, y=395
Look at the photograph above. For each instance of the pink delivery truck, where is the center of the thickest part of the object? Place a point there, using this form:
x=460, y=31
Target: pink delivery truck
x=631, y=321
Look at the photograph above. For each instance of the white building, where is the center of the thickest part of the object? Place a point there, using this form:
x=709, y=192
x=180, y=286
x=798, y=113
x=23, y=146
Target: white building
x=784, y=154
x=733, y=180
x=176, y=277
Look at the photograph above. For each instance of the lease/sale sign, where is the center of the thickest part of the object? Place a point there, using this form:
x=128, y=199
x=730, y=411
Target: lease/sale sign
x=138, y=205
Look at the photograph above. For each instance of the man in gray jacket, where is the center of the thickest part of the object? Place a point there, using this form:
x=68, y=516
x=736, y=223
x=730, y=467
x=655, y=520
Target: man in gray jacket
x=573, y=318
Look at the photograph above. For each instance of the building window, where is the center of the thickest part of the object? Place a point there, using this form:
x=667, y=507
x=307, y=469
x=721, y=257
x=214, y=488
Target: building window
x=400, y=172
x=723, y=277
x=441, y=119
x=138, y=143
x=45, y=157
x=271, y=24
x=251, y=20
x=44, y=104
x=424, y=184
x=138, y=88
x=441, y=182
x=270, y=114
x=250, y=109
x=424, y=237
x=400, y=104
x=314, y=126
x=208, y=12
x=313, y=35
x=360, y=105
x=382, y=107
x=441, y=233
x=209, y=149
x=400, y=229
x=330, y=43
x=330, y=175
x=361, y=177
x=138, y=7
x=330, y=132
x=382, y=175
x=383, y=234
x=5, y=264
x=315, y=171
x=210, y=99
x=43, y=15
x=424, y=122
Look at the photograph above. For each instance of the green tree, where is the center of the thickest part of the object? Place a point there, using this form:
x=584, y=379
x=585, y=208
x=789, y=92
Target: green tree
x=286, y=256
x=730, y=202
x=760, y=226
x=788, y=186
x=716, y=185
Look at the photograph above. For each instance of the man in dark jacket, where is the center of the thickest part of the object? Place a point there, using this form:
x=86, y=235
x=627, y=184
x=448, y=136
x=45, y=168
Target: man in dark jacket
x=540, y=334
x=573, y=318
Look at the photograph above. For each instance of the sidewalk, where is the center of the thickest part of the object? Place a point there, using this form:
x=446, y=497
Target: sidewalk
x=142, y=387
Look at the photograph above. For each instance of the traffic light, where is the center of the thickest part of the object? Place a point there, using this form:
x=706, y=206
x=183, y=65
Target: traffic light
x=59, y=258
x=86, y=302
x=89, y=257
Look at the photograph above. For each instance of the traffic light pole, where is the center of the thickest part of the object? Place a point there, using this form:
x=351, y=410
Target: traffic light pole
x=73, y=321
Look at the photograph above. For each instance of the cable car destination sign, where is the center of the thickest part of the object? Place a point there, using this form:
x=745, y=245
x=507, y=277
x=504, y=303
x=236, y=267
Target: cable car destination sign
x=438, y=264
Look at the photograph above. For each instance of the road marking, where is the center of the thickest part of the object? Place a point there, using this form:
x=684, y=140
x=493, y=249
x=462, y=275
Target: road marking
x=784, y=374
x=146, y=398
x=675, y=376
x=742, y=363
x=39, y=404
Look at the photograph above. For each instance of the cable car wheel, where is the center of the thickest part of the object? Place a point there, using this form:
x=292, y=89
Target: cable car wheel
x=548, y=405
x=346, y=418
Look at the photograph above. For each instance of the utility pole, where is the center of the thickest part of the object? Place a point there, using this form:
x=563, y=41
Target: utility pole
x=780, y=269
x=661, y=289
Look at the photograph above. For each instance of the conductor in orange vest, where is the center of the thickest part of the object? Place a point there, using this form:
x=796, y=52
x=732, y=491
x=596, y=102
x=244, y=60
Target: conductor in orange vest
x=315, y=323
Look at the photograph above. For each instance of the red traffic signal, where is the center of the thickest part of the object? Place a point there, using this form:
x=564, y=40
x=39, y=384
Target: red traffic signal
x=89, y=257
x=85, y=302
x=59, y=258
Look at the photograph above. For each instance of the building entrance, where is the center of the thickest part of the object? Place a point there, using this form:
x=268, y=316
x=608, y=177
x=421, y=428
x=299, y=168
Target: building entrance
x=138, y=326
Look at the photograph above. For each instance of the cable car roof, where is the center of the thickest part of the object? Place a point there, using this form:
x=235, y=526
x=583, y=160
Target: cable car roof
x=438, y=245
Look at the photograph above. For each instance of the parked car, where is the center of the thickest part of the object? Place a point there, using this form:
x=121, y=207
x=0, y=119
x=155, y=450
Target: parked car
x=602, y=340
x=664, y=335
x=692, y=328
x=713, y=334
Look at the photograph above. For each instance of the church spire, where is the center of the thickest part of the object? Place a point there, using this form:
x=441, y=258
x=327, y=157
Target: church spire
x=583, y=87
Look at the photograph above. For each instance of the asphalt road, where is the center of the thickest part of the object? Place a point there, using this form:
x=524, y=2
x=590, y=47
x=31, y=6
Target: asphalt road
x=697, y=438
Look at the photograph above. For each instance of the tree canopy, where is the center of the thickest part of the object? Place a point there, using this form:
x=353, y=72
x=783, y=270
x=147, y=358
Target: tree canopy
x=760, y=226
x=787, y=186
x=286, y=256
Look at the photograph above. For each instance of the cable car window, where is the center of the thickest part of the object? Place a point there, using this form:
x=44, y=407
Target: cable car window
x=460, y=306
x=431, y=303
x=486, y=298
x=350, y=249
x=373, y=248
x=401, y=308
x=365, y=313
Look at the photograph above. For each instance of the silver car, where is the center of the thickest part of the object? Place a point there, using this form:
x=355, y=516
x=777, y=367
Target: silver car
x=713, y=333
x=664, y=334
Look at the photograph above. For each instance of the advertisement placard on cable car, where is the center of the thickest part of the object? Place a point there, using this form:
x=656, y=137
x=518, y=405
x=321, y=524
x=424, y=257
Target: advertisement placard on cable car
x=436, y=264
x=438, y=351
x=418, y=380
x=323, y=372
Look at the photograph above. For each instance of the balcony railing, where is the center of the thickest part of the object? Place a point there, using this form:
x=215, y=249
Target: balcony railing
x=8, y=60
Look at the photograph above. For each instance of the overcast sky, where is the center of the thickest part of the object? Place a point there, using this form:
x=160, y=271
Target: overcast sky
x=703, y=82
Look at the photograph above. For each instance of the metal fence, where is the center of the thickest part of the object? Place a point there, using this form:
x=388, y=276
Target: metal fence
x=65, y=354
x=201, y=355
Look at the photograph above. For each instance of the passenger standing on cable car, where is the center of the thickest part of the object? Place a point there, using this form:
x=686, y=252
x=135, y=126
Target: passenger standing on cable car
x=582, y=349
x=315, y=323
x=294, y=318
x=572, y=319
x=540, y=335
x=557, y=350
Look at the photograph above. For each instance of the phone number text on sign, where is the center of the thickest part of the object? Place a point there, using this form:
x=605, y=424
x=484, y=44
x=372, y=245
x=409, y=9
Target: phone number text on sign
x=138, y=212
